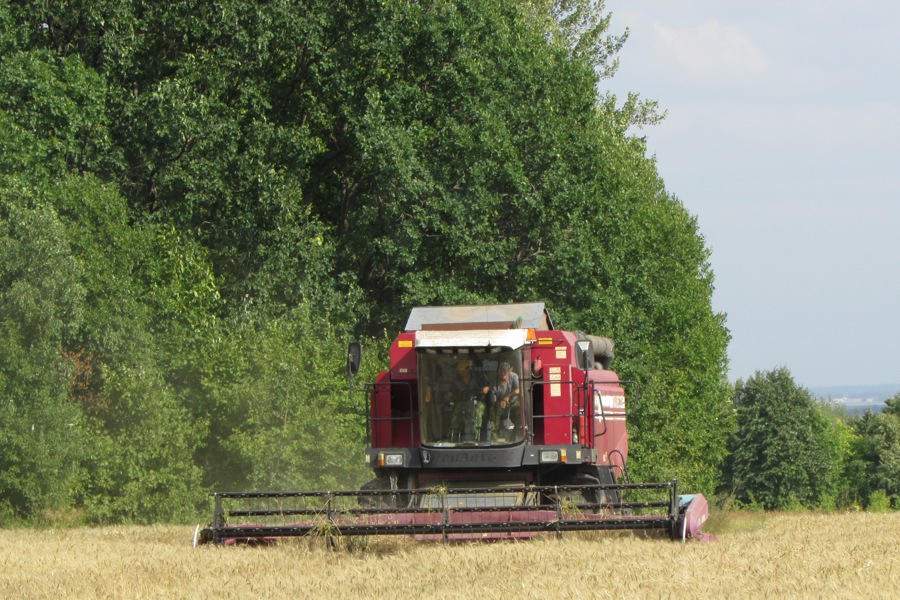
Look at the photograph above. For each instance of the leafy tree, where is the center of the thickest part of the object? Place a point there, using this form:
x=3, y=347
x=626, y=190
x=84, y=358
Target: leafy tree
x=294, y=428
x=779, y=452
x=150, y=297
x=640, y=274
x=892, y=406
x=42, y=435
x=106, y=343
x=582, y=28
x=64, y=102
x=235, y=175
x=840, y=440
x=141, y=467
x=214, y=114
x=877, y=452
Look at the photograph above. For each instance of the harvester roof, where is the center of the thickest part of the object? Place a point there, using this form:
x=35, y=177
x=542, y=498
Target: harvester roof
x=523, y=315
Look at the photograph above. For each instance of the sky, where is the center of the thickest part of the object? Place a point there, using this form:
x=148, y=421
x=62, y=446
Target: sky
x=782, y=137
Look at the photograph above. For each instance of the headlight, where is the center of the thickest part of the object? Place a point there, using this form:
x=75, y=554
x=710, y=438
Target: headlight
x=390, y=460
x=549, y=456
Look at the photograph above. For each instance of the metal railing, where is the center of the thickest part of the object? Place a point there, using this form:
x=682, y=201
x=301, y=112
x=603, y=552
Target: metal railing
x=370, y=392
x=580, y=405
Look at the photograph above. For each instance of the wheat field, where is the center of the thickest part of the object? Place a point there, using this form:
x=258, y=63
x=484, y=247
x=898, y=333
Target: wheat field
x=854, y=555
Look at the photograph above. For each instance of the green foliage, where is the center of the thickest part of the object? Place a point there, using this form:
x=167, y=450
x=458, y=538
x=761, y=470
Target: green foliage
x=780, y=454
x=876, y=451
x=892, y=406
x=582, y=28
x=878, y=502
x=141, y=468
x=64, y=102
x=42, y=434
x=289, y=422
x=644, y=279
x=7, y=29
x=227, y=192
x=21, y=149
x=839, y=439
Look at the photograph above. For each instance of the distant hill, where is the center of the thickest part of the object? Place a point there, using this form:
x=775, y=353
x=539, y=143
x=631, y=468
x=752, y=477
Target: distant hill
x=858, y=398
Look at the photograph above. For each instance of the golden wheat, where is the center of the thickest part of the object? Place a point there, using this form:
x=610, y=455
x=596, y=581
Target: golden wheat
x=785, y=556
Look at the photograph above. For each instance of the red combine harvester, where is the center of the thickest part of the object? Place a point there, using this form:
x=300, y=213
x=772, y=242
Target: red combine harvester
x=489, y=424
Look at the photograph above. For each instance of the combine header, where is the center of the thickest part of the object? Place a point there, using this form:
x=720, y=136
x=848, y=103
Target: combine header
x=489, y=424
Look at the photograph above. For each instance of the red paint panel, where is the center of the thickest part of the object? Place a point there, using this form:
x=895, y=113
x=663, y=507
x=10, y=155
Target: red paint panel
x=609, y=418
x=403, y=357
x=558, y=405
x=552, y=396
x=394, y=409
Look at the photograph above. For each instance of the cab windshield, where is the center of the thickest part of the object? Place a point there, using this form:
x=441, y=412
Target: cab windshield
x=471, y=398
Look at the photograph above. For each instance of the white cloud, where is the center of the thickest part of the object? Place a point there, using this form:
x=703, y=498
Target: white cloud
x=712, y=49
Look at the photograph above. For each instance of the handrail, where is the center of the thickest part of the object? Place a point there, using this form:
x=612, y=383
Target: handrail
x=370, y=392
x=572, y=414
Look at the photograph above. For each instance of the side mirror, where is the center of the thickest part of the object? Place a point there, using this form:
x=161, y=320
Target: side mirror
x=354, y=355
x=583, y=359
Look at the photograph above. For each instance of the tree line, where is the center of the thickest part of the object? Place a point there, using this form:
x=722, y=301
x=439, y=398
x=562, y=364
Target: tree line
x=791, y=450
x=202, y=202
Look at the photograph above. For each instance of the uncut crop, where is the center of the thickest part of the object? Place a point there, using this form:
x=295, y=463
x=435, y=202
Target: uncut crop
x=789, y=555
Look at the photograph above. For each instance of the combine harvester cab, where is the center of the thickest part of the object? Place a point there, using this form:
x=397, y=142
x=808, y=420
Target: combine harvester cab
x=489, y=424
